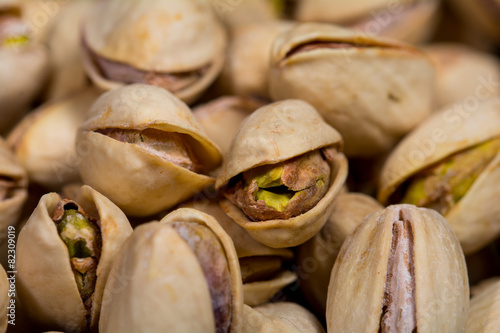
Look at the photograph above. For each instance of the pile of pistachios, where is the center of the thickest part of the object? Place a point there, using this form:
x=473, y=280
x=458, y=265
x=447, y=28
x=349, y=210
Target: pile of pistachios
x=249, y=166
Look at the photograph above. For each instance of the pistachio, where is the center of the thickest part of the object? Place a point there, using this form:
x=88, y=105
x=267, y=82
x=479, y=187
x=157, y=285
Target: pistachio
x=484, y=314
x=414, y=260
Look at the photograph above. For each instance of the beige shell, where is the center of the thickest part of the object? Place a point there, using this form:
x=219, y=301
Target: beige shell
x=222, y=117
x=475, y=218
x=372, y=95
x=258, y=292
x=10, y=209
x=246, y=70
x=4, y=300
x=280, y=317
x=44, y=141
x=145, y=184
x=45, y=282
x=275, y=133
x=440, y=275
x=484, y=313
x=453, y=62
x=316, y=257
x=156, y=36
x=240, y=12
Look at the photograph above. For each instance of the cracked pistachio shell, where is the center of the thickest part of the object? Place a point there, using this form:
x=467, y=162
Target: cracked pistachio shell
x=44, y=141
x=409, y=20
x=475, y=218
x=434, y=263
x=45, y=281
x=316, y=257
x=139, y=182
x=272, y=134
x=10, y=208
x=159, y=36
x=280, y=317
x=484, y=313
x=222, y=117
x=157, y=283
x=257, y=292
x=246, y=70
x=4, y=299
x=453, y=62
x=481, y=15
x=372, y=109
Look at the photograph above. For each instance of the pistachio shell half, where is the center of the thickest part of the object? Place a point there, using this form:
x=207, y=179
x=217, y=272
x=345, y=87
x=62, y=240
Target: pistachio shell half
x=145, y=150
x=64, y=256
x=282, y=172
x=417, y=276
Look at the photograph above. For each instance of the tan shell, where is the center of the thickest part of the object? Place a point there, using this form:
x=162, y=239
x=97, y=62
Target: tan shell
x=152, y=184
x=246, y=70
x=10, y=209
x=240, y=12
x=280, y=317
x=275, y=133
x=316, y=257
x=45, y=281
x=259, y=292
x=371, y=109
x=475, y=218
x=155, y=35
x=441, y=285
x=4, y=299
x=222, y=117
x=453, y=62
x=484, y=313
x=44, y=141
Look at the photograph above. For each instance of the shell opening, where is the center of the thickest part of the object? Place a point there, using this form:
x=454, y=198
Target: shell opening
x=260, y=268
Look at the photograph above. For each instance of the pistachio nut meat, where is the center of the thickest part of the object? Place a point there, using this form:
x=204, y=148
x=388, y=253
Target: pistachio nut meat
x=484, y=314
x=372, y=90
x=64, y=256
x=24, y=64
x=412, y=21
x=145, y=150
x=263, y=270
x=13, y=188
x=401, y=270
x=315, y=258
x=181, y=274
x=451, y=163
x=4, y=299
x=44, y=141
x=282, y=172
x=178, y=45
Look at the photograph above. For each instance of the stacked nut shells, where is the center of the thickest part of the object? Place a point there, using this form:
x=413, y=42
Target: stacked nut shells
x=249, y=166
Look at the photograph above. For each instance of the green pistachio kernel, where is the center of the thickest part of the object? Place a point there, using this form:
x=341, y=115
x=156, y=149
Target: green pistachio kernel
x=271, y=178
x=15, y=41
x=78, y=233
x=276, y=201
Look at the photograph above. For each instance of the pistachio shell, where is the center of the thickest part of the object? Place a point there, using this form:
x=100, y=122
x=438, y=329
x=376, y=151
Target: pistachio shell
x=316, y=257
x=241, y=12
x=45, y=281
x=475, y=217
x=331, y=79
x=152, y=183
x=144, y=34
x=260, y=292
x=280, y=317
x=440, y=290
x=484, y=313
x=44, y=142
x=4, y=299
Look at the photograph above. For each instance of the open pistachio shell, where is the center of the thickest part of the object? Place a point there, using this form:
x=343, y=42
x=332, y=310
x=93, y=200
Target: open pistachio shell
x=141, y=178
x=45, y=281
x=475, y=216
x=315, y=258
x=280, y=317
x=411, y=21
x=4, y=299
x=265, y=284
x=333, y=69
x=177, y=44
x=273, y=134
x=44, y=141
x=417, y=276
x=13, y=188
x=484, y=314
x=453, y=62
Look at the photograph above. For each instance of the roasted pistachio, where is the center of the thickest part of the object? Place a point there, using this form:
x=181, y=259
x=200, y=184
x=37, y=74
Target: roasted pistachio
x=484, y=314
x=282, y=172
x=333, y=69
x=450, y=163
x=414, y=261
x=145, y=149
x=64, y=255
